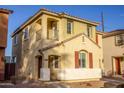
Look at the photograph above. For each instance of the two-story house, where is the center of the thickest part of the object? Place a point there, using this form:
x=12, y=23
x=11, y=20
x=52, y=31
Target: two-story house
x=4, y=13
x=113, y=47
x=58, y=46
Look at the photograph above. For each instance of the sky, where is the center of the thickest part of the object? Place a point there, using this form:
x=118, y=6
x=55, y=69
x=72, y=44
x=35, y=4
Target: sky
x=113, y=16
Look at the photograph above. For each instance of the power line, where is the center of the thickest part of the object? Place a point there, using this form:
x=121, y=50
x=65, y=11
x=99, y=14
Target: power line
x=102, y=19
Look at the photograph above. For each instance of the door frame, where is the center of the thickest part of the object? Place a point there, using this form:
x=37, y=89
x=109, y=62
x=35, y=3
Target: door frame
x=117, y=66
x=39, y=66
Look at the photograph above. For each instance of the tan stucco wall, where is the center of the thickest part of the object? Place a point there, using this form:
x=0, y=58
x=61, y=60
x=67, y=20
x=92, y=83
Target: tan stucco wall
x=67, y=52
x=27, y=50
x=109, y=50
x=78, y=27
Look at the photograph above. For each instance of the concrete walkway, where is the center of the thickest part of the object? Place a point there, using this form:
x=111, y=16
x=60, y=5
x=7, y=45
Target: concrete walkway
x=112, y=83
x=103, y=83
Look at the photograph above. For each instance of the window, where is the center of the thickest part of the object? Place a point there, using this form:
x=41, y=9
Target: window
x=119, y=39
x=82, y=60
x=14, y=59
x=52, y=30
x=26, y=33
x=89, y=31
x=83, y=39
x=15, y=40
x=69, y=27
x=54, y=61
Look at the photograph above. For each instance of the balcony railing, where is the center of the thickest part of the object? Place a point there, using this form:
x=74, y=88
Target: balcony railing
x=53, y=34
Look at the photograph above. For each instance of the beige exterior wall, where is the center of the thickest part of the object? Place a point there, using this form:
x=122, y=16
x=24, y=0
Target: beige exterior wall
x=27, y=50
x=110, y=51
x=78, y=27
x=67, y=52
x=17, y=51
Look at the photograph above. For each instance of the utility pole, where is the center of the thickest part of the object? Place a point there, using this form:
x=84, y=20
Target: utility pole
x=102, y=19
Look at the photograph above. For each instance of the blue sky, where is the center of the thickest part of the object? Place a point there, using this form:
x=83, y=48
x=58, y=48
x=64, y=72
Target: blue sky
x=113, y=16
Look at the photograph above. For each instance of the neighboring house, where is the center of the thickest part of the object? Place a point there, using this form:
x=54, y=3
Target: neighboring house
x=68, y=47
x=9, y=67
x=3, y=38
x=113, y=47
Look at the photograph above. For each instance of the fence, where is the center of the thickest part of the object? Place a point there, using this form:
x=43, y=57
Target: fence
x=9, y=70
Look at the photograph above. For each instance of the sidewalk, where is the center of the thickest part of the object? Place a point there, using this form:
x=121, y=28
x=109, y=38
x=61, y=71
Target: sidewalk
x=113, y=82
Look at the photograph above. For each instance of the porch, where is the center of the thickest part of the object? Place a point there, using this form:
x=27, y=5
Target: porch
x=71, y=74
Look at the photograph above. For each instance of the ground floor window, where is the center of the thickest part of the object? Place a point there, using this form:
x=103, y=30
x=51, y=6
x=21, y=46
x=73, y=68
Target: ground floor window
x=82, y=59
x=54, y=61
x=14, y=59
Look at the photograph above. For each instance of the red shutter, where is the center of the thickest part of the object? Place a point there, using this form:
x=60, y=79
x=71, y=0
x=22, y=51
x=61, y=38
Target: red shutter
x=76, y=59
x=90, y=60
x=97, y=42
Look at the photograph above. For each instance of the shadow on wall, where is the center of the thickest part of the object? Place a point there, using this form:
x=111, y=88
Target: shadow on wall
x=109, y=73
x=30, y=51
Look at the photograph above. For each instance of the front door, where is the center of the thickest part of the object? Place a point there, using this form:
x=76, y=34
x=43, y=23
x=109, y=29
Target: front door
x=117, y=65
x=39, y=65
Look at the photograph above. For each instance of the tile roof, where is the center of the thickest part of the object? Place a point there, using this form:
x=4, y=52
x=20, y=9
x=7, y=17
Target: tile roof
x=113, y=33
x=57, y=14
x=6, y=11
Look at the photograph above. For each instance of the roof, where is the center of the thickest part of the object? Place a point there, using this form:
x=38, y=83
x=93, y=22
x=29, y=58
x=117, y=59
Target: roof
x=2, y=10
x=64, y=41
x=113, y=33
x=100, y=32
x=45, y=11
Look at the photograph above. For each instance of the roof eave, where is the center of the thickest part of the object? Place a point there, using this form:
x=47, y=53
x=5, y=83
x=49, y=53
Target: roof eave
x=6, y=11
x=53, y=13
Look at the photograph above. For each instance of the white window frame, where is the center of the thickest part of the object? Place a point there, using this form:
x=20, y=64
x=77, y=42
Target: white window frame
x=119, y=38
x=71, y=27
x=89, y=31
x=86, y=60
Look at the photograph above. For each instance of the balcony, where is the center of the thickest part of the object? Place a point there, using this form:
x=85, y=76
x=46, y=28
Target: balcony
x=53, y=34
x=52, y=29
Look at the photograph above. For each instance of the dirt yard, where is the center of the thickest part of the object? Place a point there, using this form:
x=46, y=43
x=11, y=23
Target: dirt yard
x=103, y=83
x=39, y=84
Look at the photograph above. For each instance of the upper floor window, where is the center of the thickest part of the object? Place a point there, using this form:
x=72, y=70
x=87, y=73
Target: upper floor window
x=69, y=27
x=89, y=31
x=15, y=40
x=119, y=39
x=52, y=32
x=26, y=33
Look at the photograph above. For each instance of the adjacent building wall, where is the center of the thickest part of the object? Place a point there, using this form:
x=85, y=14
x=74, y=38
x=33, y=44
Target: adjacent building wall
x=3, y=39
x=109, y=51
